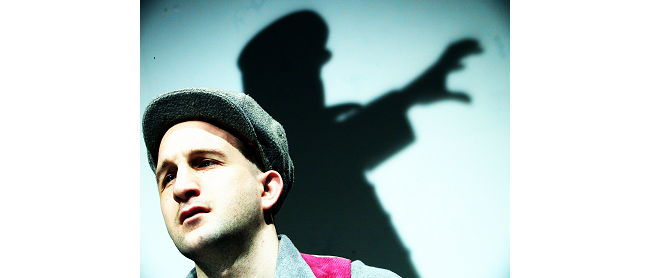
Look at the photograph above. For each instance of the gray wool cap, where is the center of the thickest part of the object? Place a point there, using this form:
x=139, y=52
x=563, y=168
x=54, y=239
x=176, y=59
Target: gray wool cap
x=235, y=112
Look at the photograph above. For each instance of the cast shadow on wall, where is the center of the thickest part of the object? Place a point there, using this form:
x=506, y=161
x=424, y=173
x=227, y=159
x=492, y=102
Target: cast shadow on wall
x=332, y=209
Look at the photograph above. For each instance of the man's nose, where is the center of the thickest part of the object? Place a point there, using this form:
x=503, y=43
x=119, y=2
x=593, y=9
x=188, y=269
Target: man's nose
x=186, y=185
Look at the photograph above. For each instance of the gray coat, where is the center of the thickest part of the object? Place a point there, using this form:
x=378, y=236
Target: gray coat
x=290, y=264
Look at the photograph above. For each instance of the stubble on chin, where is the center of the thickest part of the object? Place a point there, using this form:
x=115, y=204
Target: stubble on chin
x=206, y=241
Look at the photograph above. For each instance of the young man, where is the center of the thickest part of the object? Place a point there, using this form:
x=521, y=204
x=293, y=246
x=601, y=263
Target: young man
x=223, y=171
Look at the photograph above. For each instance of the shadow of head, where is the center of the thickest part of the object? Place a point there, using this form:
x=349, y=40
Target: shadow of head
x=297, y=40
x=281, y=65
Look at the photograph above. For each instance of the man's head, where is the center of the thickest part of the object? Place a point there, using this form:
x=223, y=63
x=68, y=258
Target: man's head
x=234, y=112
x=221, y=163
x=210, y=192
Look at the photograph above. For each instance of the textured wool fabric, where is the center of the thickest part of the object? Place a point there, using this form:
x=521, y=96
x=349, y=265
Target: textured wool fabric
x=234, y=112
x=291, y=264
x=328, y=266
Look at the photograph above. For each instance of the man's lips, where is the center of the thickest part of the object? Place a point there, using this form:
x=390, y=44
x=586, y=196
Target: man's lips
x=190, y=212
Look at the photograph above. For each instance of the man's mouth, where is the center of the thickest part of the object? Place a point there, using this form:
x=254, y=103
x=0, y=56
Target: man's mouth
x=191, y=212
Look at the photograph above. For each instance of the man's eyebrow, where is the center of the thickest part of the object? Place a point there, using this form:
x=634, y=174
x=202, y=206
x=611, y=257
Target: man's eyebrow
x=197, y=152
x=160, y=170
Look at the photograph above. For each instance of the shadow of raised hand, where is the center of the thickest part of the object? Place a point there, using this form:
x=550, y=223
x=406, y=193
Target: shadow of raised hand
x=430, y=86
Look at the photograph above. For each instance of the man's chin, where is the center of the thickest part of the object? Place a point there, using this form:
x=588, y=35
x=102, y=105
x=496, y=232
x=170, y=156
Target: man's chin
x=191, y=246
x=197, y=240
x=188, y=241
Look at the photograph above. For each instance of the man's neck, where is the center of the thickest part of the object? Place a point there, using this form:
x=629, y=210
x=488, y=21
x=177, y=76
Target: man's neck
x=257, y=258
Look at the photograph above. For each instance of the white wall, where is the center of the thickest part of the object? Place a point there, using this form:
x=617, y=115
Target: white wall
x=457, y=170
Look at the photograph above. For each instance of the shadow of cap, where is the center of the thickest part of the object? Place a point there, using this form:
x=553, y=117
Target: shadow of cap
x=297, y=38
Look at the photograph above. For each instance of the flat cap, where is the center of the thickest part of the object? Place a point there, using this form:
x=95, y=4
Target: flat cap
x=232, y=111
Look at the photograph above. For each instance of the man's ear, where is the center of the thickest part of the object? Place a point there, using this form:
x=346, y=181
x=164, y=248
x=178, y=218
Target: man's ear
x=272, y=188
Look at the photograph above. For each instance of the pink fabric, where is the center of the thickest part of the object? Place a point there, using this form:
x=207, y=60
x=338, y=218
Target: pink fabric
x=328, y=266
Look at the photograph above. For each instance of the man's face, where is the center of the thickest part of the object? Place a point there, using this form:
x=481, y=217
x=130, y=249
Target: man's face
x=209, y=191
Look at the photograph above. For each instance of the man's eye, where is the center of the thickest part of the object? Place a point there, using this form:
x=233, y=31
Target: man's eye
x=205, y=163
x=168, y=178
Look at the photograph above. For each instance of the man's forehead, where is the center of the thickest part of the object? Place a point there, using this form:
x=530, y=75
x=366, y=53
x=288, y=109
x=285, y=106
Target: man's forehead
x=196, y=124
x=195, y=128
